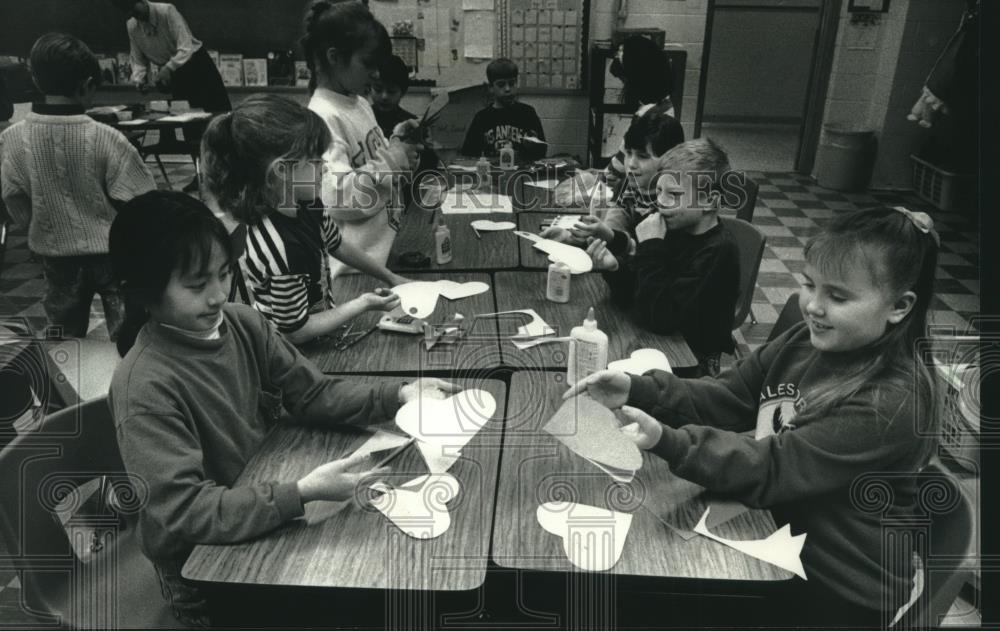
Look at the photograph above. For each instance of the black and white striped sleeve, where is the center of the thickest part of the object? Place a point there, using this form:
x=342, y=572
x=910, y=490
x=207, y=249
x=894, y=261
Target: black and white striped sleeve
x=279, y=293
x=331, y=234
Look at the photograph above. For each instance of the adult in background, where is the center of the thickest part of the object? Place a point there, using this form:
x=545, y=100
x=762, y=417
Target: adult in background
x=158, y=34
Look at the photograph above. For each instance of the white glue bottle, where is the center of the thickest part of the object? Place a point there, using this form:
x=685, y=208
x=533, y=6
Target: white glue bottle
x=557, y=288
x=483, y=174
x=507, y=157
x=442, y=242
x=588, y=350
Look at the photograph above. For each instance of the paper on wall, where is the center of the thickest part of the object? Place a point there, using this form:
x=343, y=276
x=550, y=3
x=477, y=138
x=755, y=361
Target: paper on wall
x=478, y=5
x=480, y=27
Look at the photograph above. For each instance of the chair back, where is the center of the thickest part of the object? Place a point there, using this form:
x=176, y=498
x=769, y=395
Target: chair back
x=790, y=315
x=239, y=291
x=947, y=562
x=39, y=471
x=748, y=202
x=750, y=242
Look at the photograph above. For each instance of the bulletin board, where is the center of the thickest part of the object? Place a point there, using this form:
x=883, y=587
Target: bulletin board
x=458, y=38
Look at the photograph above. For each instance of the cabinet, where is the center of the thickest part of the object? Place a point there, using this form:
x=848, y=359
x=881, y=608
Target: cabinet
x=608, y=116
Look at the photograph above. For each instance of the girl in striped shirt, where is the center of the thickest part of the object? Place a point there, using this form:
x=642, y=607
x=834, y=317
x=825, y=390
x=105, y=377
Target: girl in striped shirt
x=263, y=163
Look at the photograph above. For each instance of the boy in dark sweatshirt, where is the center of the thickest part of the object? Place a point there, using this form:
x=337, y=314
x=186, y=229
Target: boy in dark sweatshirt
x=505, y=120
x=683, y=276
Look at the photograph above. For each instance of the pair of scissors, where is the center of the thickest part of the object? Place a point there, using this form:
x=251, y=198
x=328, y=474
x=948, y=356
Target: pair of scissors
x=420, y=133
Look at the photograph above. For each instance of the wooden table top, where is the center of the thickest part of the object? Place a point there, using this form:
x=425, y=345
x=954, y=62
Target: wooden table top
x=523, y=290
x=537, y=468
x=359, y=547
x=494, y=250
x=387, y=351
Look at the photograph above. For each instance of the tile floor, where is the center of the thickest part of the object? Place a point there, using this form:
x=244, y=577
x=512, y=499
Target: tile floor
x=789, y=210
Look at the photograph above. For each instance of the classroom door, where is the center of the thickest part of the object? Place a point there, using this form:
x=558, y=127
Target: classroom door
x=764, y=79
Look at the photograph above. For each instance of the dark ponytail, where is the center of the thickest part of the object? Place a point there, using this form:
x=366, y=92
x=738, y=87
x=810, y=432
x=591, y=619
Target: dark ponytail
x=346, y=26
x=153, y=235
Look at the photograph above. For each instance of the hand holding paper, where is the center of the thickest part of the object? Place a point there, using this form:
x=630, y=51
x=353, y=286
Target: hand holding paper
x=608, y=387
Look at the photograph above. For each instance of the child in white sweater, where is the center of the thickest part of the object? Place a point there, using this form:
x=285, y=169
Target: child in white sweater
x=62, y=175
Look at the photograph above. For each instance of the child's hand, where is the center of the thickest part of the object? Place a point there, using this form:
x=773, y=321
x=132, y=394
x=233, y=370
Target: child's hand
x=603, y=259
x=652, y=227
x=427, y=387
x=644, y=430
x=379, y=300
x=336, y=481
x=562, y=235
x=592, y=227
x=610, y=388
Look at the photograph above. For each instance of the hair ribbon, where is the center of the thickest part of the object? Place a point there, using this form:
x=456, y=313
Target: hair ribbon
x=921, y=221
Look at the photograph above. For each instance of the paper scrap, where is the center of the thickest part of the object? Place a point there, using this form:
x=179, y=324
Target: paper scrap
x=780, y=548
x=593, y=538
x=488, y=225
x=418, y=507
x=134, y=121
x=419, y=298
x=641, y=361
x=450, y=422
x=592, y=431
x=546, y=184
x=185, y=117
x=380, y=441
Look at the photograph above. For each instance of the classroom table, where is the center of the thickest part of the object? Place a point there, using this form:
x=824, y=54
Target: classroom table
x=532, y=257
x=357, y=547
x=523, y=290
x=388, y=351
x=489, y=251
x=537, y=468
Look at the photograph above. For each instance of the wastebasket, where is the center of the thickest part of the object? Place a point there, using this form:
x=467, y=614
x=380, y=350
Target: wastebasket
x=845, y=158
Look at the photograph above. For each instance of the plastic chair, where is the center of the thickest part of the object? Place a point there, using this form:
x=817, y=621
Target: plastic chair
x=946, y=564
x=117, y=586
x=750, y=242
x=745, y=209
x=791, y=314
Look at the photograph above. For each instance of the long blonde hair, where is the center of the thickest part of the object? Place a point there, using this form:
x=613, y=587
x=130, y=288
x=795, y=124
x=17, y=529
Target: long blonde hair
x=903, y=258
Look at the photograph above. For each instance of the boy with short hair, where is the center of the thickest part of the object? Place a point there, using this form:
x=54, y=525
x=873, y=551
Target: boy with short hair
x=62, y=174
x=647, y=141
x=505, y=120
x=684, y=274
x=390, y=87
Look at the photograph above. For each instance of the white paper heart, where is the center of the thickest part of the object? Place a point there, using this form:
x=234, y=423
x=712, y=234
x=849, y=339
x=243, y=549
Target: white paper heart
x=640, y=361
x=456, y=291
x=488, y=225
x=450, y=422
x=576, y=259
x=419, y=298
x=591, y=430
x=546, y=184
x=419, y=507
x=380, y=441
x=780, y=548
x=439, y=458
x=593, y=538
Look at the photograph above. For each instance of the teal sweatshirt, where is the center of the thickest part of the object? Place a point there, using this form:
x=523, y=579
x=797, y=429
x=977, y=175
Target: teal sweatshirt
x=190, y=413
x=803, y=472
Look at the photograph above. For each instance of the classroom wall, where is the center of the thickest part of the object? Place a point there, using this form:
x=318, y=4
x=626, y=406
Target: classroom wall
x=760, y=61
x=877, y=74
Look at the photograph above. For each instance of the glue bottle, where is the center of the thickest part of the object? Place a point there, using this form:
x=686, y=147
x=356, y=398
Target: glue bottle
x=483, y=173
x=588, y=350
x=442, y=242
x=507, y=157
x=557, y=289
